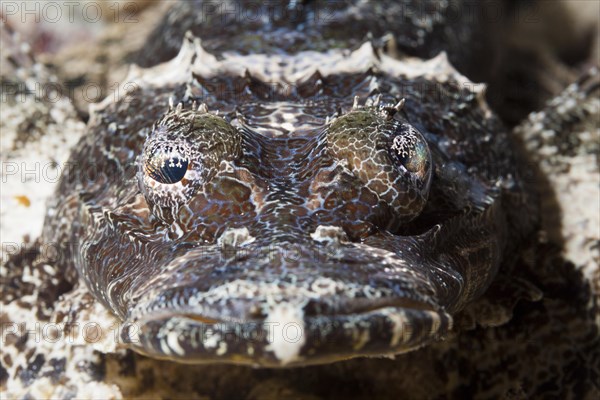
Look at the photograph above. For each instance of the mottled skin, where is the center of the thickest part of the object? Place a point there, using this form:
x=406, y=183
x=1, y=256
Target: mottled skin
x=514, y=348
x=246, y=193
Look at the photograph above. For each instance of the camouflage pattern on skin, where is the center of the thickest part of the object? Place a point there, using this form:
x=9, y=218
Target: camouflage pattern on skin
x=502, y=345
x=362, y=221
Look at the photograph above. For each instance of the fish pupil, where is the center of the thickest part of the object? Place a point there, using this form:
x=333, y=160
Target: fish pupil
x=170, y=171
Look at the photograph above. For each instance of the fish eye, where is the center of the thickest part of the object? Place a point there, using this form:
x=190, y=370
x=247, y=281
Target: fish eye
x=166, y=167
x=387, y=156
x=184, y=150
x=168, y=170
x=409, y=150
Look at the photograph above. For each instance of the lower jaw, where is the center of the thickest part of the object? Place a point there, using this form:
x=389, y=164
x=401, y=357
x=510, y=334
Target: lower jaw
x=286, y=338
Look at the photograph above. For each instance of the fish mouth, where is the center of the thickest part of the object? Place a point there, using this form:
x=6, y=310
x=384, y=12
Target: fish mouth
x=272, y=311
x=292, y=333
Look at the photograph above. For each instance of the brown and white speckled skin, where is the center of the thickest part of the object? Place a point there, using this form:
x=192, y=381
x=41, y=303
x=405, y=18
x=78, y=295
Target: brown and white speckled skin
x=505, y=342
x=305, y=195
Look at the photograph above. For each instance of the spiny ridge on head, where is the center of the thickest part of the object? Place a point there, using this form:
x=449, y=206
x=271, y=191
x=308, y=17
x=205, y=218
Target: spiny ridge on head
x=178, y=115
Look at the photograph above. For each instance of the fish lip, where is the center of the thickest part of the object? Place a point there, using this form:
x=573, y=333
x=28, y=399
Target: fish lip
x=245, y=300
x=294, y=340
x=324, y=307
